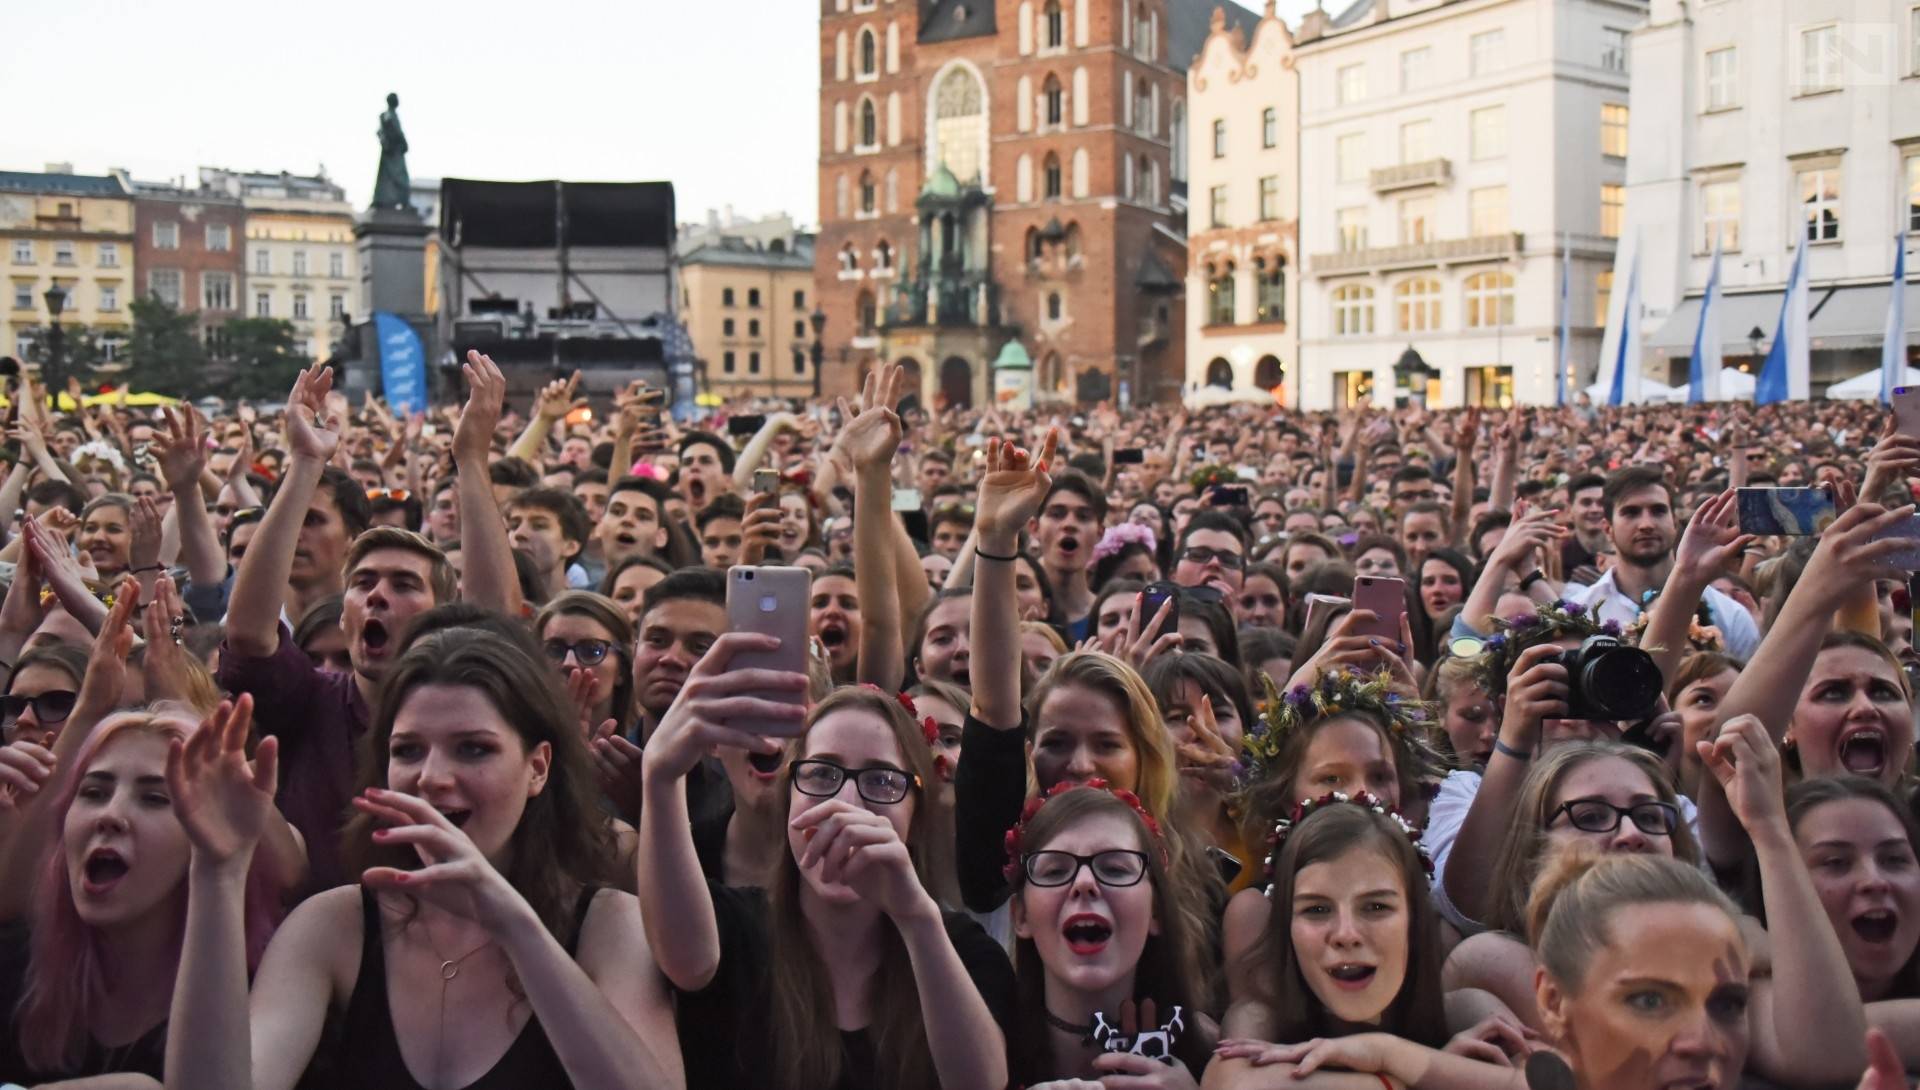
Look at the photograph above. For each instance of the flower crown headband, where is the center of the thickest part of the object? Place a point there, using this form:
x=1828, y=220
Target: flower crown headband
x=1340, y=692
x=1119, y=537
x=1495, y=655
x=1282, y=829
x=1016, y=836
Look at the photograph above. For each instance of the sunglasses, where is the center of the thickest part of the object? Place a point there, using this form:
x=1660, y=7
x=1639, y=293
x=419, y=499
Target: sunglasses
x=52, y=706
x=397, y=495
x=585, y=652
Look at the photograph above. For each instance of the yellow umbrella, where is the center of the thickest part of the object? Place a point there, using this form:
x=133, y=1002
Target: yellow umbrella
x=66, y=403
x=142, y=400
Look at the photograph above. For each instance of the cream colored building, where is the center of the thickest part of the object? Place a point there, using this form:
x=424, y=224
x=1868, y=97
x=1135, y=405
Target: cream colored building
x=1243, y=209
x=746, y=308
x=70, y=230
x=301, y=263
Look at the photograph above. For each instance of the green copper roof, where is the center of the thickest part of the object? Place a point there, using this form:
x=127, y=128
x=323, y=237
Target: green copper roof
x=941, y=183
x=1013, y=355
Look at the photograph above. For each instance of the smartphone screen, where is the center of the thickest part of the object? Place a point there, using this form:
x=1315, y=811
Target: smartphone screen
x=1906, y=410
x=1129, y=456
x=1791, y=512
x=745, y=425
x=907, y=499
x=1155, y=595
x=766, y=480
x=1386, y=598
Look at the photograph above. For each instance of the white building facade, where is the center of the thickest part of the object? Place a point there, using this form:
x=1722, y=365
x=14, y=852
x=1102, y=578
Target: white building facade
x=1450, y=153
x=1759, y=125
x=302, y=265
x=1243, y=209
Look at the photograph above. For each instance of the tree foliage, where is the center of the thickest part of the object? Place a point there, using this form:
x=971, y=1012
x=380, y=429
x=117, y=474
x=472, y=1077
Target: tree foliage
x=165, y=354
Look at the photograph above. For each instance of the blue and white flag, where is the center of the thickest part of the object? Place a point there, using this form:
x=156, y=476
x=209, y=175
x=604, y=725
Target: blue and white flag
x=1785, y=374
x=1703, y=372
x=403, y=363
x=1893, y=348
x=1620, y=347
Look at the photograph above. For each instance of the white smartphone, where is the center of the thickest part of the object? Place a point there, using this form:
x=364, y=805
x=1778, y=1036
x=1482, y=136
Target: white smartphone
x=771, y=601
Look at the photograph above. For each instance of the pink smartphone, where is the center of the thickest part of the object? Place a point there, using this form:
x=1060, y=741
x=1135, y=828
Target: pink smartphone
x=1906, y=410
x=1386, y=598
x=773, y=602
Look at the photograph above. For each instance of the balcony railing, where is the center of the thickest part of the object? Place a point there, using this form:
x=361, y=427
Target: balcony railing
x=952, y=301
x=1448, y=251
x=1411, y=175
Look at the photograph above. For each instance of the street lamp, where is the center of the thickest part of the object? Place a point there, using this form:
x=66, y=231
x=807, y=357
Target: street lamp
x=56, y=298
x=1754, y=337
x=1412, y=371
x=818, y=320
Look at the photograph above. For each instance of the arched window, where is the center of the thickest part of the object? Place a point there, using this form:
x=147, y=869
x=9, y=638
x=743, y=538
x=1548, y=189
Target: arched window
x=1220, y=293
x=1268, y=374
x=869, y=201
x=883, y=257
x=959, y=123
x=1179, y=139
x=1053, y=377
x=1489, y=299
x=1052, y=174
x=1054, y=22
x=849, y=259
x=1352, y=310
x=869, y=124
x=1270, y=296
x=1036, y=247
x=1143, y=180
x=1143, y=118
x=869, y=54
x=1072, y=246
x=1142, y=32
x=1054, y=100
x=1053, y=306
x=1418, y=301
x=1220, y=374
x=840, y=200
x=869, y=314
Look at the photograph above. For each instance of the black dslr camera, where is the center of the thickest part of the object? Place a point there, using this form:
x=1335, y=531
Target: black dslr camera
x=1610, y=680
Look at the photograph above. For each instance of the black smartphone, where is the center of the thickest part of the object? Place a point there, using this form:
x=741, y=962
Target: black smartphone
x=1227, y=495
x=745, y=425
x=1129, y=456
x=1155, y=595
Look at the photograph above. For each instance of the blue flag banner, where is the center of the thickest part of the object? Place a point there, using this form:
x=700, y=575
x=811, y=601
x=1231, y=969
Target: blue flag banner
x=1784, y=375
x=1893, y=346
x=403, y=363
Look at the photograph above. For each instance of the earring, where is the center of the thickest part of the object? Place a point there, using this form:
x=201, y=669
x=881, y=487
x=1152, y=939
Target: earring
x=1547, y=1071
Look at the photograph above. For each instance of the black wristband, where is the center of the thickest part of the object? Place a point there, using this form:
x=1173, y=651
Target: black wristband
x=982, y=554
x=1534, y=577
x=1516, y=754
x=147, y=568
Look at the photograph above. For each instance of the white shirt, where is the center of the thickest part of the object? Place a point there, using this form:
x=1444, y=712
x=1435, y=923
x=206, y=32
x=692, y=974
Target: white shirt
x=1608, y=602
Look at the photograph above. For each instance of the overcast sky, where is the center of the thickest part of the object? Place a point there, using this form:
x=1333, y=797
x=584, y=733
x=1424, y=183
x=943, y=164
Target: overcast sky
x=716, y=96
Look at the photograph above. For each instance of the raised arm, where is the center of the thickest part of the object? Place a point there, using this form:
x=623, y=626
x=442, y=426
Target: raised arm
x=555, y=400
x=1531, y=534
x=1710, y=543
x=675, y=903
x=1506, y=464
x=755, y=453
x=872, y=436
x=1011, y=491
x=1466, y=433
x=490, y=580
x=259, y=587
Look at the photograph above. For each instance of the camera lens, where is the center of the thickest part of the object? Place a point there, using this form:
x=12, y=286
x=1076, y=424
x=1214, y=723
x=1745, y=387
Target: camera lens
x=1622, y=681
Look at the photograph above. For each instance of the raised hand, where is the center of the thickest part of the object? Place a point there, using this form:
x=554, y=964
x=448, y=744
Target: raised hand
x=454, y=874
x=486, y=400
x=145, y=519
x=1013, y=487
x=164, y=665
x=1207, y=759
x=761, y=528
x=222, y=799
x=1138, y=644
x=181, y=448
x=1743, y=758
x=21, y=611
x=313, y=431
x=1712, y=543
x=1885, y=1070
x=557, y=398
x=106, y=676
x=1849, y=554
x=715, y=697
x=1894, y=459
x=1348, y=648
x=1531, y=532
x=872, y=433
x=26, y=766
x=860, y=850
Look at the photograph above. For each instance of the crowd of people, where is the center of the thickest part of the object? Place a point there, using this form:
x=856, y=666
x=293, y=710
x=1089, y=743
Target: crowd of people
x=1127, y=749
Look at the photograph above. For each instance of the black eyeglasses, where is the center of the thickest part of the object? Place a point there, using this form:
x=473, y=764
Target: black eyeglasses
x=1601, y=816
x=1200, y=554
x=1113, y=868
x=585, y=652
x=881, y=785
x=52, y=706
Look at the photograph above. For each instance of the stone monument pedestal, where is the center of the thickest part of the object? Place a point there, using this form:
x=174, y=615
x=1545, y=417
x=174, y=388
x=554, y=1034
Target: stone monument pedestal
x=392, y=244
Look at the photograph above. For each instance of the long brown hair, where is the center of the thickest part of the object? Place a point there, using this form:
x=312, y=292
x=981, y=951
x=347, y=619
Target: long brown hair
x=806, y=1040
x=563, y=842
x=606, y=613
x=1418, y=1013
x=1809, y=795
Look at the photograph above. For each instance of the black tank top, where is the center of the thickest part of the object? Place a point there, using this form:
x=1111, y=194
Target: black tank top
x=371, y=1052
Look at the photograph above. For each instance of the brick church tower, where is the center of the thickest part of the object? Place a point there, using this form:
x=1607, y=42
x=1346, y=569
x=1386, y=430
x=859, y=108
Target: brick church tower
x=1006, y=179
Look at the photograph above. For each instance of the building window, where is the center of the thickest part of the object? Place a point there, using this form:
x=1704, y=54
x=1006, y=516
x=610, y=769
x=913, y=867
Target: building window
x=1351, y=223
x=1723, y=76
x=1350, y=85
x=219, y=237
x=111, y=346
x=726, y=362
x=753, y=363
x=62, y=252
x=1053, y=101
x=849, y=263
x=882, y=258
x=726, y=327
x=1143, y=111
x=262, y=262
x=1418, y=301
x=1487, y=211
x=1720, y=216
x=1217, y=205
x=1350, y=157
x=1613, y=209
x=299, y=263
x=726, y=297
x=753, y=297
x=1613, y=130
x=1820, y=203
x=23, y=252
x=1270, y=197
x=959, y=124
x=262, y=305
x=216, y=291
x=1056, y=25
x=869, y=124
x=109, y=297
x=1489, y=300
x=1613, y=49
x=23, y=296
x=1485, y=50
x=1416, y=221
x=869, y=54
x=1219, y=138
x=799, y=300
x=1220, y=298
x=1352, y=310
x=869, y=193
x=1051, y=172
x=1269, y=127
x=1819, y=59
x=799, y=362
x=336, y=306
x=164, y=285
x=1146, y=180
x=1416, y=141
x=799, y=329
x=868, y=313
x=300, y=305
x=1487, y=132
x=1602, y=296
x=23, y=345
x=107, y=255
x=1053, y=306
x=1270, y=289
x=753, y=328
x=1913, y=195
x=1416, y=68
x=336, y=265
x=166, y=235
x=1143, y=26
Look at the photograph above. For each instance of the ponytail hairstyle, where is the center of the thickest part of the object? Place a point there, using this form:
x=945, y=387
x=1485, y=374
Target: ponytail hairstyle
x=1331, y=830
x=1578, y=891
x=65, y=981
x=806, y=1042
